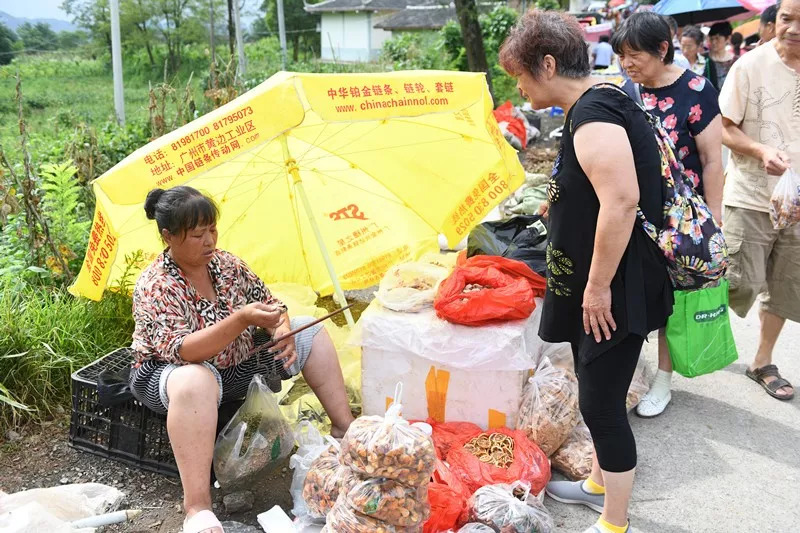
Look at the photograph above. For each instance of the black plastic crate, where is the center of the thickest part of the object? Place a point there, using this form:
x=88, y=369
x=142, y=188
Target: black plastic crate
x=129, y=432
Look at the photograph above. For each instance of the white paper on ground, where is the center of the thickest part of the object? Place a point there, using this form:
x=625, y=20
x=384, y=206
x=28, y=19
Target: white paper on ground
x=276, y=521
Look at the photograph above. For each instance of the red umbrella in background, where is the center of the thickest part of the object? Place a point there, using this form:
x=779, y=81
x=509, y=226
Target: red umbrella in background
x=757, y=5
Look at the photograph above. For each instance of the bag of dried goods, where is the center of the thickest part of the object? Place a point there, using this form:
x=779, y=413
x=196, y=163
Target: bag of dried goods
x=310, y=446
x=574, y=458
x=322, y=484
x=784, y=208
x=386, y=500
x=499, y=455
x=510, y=508
x=640, y=384
x=549, y=409
x=256, y=440
x=449, y=434
x=487, y=290
x=343, y=519
x=389, y=447
x=410, y=287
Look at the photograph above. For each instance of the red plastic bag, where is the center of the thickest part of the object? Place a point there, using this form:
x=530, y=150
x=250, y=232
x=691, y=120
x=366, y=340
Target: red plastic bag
x=505, y=113
x=450, y=434
x=447, y=505
x=530, y=464
x=448, y=498
x=512, y=287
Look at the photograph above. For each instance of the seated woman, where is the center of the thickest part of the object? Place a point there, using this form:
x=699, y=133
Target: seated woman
x=196, y=308
x=607, y=284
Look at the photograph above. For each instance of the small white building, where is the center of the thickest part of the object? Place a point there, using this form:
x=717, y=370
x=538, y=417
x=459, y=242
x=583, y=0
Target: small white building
x=354, y=30
x=347, y=27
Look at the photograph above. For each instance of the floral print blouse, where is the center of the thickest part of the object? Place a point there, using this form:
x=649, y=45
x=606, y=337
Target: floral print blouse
x=167, y=308
x=686, y=108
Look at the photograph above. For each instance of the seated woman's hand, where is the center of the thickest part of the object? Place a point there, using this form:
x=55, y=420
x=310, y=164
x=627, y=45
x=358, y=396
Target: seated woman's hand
x=262, y=315
x=286, y=347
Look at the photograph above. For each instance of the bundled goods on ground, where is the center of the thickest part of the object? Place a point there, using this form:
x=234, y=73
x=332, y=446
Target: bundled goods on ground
x=509, y=509
x=549, y=409
x=255, y=440
x=321, y=486
x=389, y=465
x=574, y=457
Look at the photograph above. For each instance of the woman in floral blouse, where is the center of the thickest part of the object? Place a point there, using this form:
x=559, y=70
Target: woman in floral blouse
x=196, y=308
x=687, y=106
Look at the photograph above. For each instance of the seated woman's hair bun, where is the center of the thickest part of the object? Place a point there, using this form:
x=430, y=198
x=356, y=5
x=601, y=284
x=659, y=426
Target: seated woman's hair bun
x=151, y=202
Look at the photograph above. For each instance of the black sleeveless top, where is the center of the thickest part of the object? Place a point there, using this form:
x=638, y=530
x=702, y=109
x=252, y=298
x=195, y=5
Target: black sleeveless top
x=641, y=291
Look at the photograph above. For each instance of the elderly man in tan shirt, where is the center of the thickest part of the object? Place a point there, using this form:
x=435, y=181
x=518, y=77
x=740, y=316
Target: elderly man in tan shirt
x=760, y=104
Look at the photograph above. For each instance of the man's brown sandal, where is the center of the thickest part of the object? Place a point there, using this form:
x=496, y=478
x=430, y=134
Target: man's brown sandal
x=773, y=386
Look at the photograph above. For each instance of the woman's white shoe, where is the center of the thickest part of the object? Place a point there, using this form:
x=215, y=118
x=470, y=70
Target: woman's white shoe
x=653, y=403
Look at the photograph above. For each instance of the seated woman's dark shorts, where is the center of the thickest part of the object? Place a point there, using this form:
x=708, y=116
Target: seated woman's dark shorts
x=149, y=381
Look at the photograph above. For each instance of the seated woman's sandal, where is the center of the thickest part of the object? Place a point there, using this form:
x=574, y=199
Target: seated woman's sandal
x=202, y=521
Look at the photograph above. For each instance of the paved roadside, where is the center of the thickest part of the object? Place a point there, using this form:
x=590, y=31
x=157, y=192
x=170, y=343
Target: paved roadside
x=724, y=456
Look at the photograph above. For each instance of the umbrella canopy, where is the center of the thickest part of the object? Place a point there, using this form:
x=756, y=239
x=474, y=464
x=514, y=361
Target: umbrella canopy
x=688, y=12
x=757, y=6
x=748, y=29
x=319, y=178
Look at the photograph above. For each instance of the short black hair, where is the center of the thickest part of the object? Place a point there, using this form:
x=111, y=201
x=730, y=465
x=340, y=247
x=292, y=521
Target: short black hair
x=644, y=32
x=721, y=28
x=694, y=33
x=737, y=39
x=770, y=14
x=180, y=209
x=673, y=24
x=604, y=38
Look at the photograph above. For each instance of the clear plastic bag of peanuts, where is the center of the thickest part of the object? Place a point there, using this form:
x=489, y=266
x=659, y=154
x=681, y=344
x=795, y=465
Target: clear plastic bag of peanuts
x=389, y=447
x=549, y=408
x=784, y=205
x=311, y=445
x=386, y=500
x=344, y=519
x=510, y=509
x=322, y=483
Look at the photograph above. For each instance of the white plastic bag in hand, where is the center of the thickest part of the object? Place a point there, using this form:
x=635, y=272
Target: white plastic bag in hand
x=784, y=206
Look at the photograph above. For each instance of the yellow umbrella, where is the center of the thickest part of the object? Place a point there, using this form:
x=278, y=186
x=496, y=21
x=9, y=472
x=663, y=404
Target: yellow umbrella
x=324, y=180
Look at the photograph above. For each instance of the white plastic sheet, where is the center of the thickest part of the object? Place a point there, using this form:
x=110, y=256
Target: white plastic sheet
x=52, y=509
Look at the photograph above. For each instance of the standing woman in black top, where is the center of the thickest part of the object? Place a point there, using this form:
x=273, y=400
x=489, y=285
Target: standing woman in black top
x=607, y=284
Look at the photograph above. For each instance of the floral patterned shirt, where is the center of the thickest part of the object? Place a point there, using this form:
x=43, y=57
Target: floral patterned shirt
x=686, y=108
x=167, y=308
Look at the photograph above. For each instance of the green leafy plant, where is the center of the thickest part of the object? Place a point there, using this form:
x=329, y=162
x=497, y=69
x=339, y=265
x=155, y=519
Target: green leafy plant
x=414, y=51
x=548, y=4
x=46, y=334
x=66, y=214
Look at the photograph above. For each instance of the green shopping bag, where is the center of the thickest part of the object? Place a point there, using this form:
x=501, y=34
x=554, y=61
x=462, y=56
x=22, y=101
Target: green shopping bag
x=699, y=331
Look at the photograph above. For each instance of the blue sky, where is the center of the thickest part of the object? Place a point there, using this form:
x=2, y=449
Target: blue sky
x=49, y=9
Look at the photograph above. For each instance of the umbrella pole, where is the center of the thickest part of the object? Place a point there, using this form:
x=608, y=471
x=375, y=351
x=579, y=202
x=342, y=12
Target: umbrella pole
x=291, y=166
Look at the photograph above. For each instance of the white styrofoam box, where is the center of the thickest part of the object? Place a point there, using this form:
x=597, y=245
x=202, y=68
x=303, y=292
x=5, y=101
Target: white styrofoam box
x=475, y=374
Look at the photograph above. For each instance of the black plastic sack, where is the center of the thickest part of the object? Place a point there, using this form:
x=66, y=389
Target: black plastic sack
x=519, y=238
x=113, y=388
